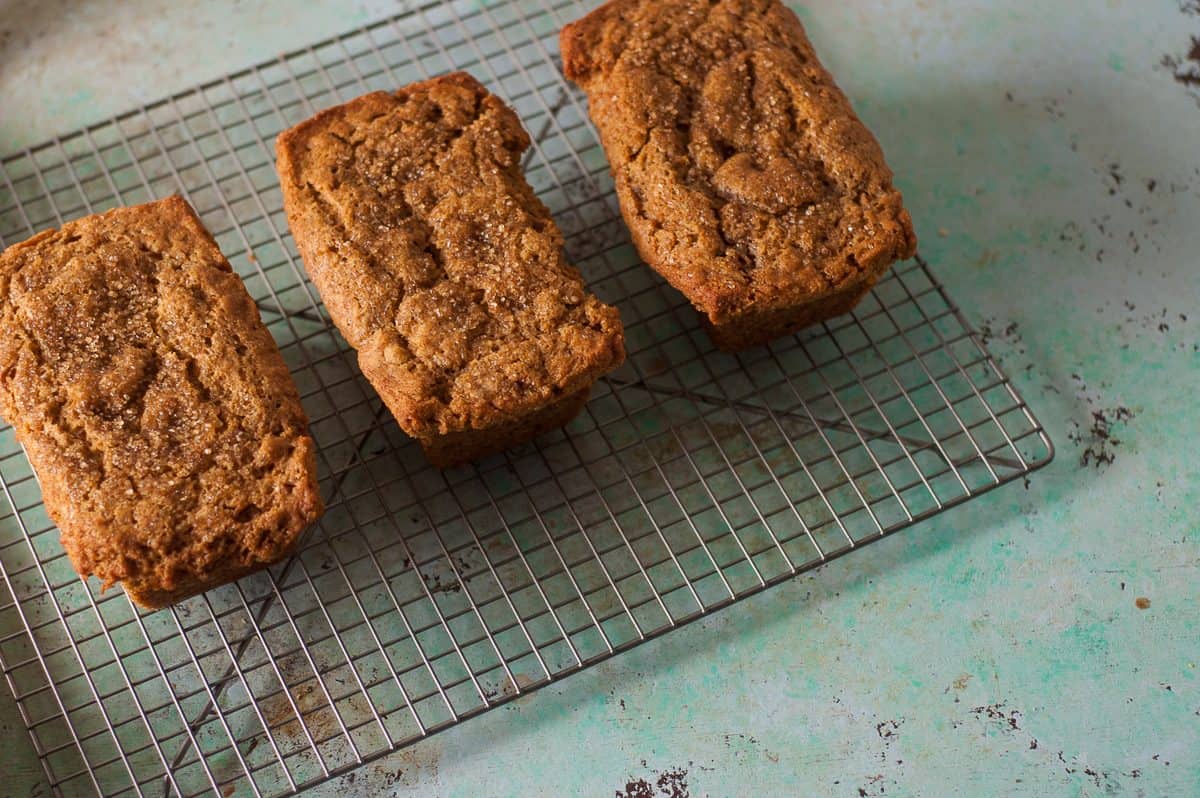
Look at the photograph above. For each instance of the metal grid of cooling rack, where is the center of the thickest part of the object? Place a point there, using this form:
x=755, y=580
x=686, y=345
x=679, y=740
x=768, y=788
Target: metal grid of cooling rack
x=694, y=478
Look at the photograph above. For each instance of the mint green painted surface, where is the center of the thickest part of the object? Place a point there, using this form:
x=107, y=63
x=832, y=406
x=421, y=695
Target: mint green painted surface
x=1052, y=164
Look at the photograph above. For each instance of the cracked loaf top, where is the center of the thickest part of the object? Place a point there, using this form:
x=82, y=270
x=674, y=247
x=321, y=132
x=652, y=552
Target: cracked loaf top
x=162, y=423
x=743, y=172
x=436, y=260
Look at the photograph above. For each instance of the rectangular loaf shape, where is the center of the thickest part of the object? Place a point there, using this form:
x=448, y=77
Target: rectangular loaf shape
x=441, y=267
x=164, y=428
x=743, y=173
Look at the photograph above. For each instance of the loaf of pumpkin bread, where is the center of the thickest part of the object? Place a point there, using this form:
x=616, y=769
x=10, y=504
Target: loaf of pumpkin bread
x=441, y=267
x=156, y=411
x=743, y=173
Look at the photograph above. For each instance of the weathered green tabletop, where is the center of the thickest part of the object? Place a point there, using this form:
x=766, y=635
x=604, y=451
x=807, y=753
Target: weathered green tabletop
x=1040, y=640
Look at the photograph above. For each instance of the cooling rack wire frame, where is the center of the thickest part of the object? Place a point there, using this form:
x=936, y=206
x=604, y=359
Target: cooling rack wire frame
x=693, y=478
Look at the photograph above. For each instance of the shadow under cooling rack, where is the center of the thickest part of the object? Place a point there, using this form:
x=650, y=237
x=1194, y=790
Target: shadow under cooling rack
x=693, y=478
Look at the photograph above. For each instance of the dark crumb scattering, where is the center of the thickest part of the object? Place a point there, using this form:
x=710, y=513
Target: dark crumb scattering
x=1185, y=69
x=989, y=331
x=887, y=728
x=1098, y=440
x=996, y=712
x=639, y=788
x=673, y=784
x=1102, y=442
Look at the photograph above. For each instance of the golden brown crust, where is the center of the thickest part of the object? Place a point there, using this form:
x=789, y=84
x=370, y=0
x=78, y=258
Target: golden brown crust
x=151, y=594
x=768, y=323
x=742, y=171
x=165, y=430
x=439, y=264
x=456, y=448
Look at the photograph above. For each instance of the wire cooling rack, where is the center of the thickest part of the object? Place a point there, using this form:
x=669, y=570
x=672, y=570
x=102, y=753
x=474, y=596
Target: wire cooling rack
x=694, y=478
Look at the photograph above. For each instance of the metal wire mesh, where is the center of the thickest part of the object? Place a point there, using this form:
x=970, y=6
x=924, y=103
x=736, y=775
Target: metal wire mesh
x=693, y=478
